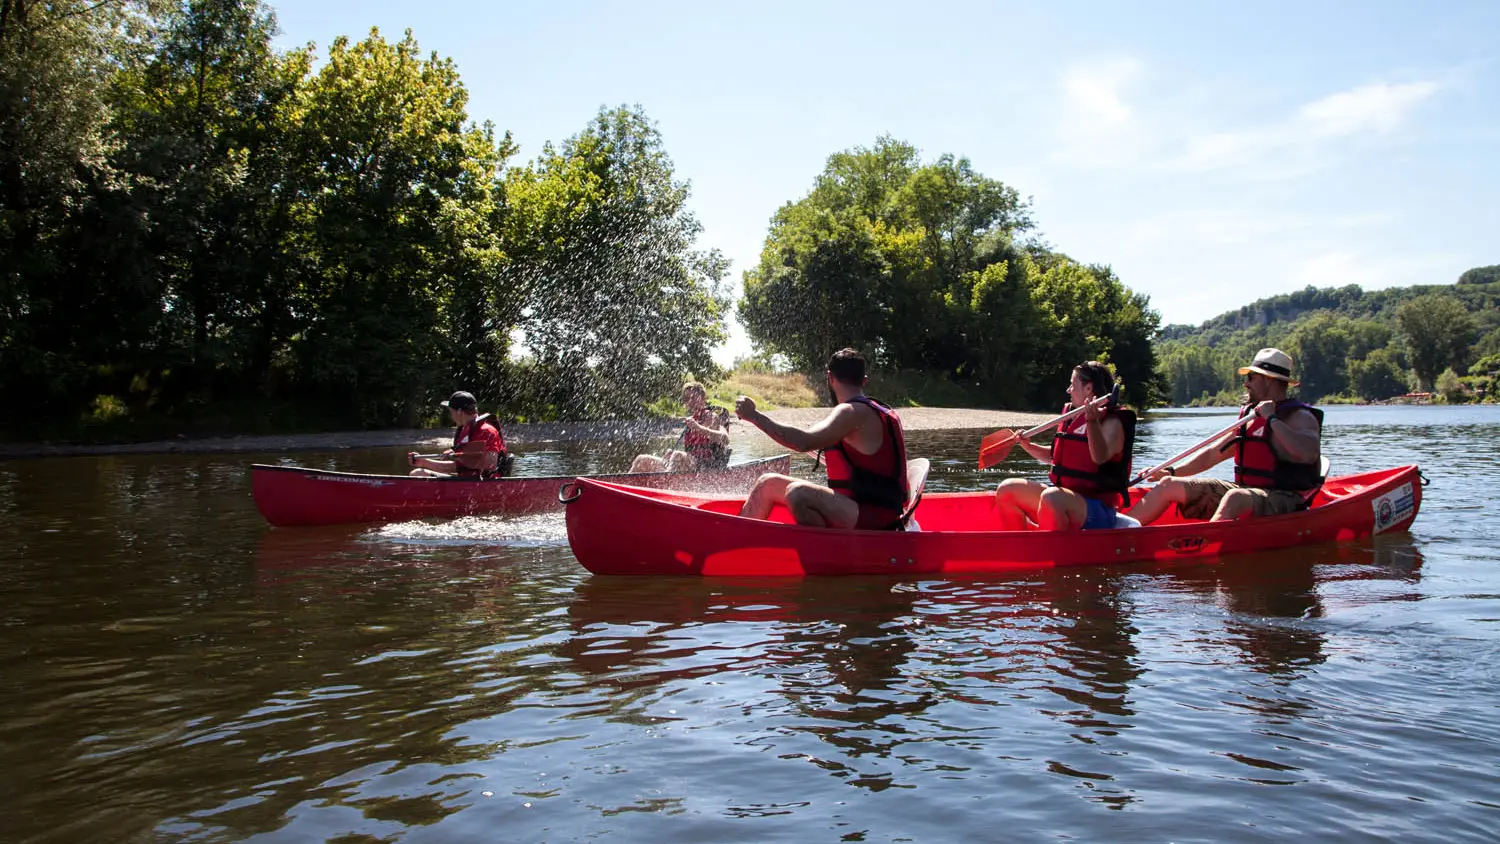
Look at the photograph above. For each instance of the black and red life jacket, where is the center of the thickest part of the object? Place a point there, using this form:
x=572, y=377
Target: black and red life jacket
x=465, y=435
x=877, y=479
x=703, y=448
x=1256, y=463
x=1073, y=467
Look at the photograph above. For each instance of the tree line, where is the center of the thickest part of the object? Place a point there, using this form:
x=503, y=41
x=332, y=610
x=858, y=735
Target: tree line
x=198, y=228
x=934, y=267
x=1349, y=344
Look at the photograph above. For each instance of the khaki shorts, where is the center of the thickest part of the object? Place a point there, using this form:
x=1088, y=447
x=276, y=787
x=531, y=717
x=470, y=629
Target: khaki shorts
x=1204, y=494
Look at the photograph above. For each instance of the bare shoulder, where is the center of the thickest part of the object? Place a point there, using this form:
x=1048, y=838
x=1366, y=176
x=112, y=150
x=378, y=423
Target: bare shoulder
x=1303, y=420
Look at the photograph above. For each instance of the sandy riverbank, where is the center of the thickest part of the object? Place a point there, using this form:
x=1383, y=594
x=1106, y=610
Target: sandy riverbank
x=914, y=419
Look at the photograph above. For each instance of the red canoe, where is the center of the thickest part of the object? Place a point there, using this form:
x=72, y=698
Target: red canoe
x=294, y=496
x=617, y=530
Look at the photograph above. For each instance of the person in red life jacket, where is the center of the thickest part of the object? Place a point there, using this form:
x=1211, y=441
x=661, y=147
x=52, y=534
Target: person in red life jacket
x=478, y=445
x=705, y=438
x=866, y=453
x=1277, y=455
x=1090, y=457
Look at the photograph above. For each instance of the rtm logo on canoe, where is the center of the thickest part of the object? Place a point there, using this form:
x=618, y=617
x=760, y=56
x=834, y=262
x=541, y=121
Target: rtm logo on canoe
x=1186, y=544
x=1394, y=507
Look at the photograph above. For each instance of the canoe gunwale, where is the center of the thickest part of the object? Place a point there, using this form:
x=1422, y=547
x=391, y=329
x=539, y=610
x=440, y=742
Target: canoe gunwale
x=663, y=532
x=308, y=470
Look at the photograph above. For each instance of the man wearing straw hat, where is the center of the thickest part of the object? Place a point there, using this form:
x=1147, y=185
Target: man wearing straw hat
x=1276, y=453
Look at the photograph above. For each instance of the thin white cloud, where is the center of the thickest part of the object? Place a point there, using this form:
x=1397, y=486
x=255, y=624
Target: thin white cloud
x=1369, y=108
x=1333, y=269
x=1096, y=121
x=1094, y=93
x=1226, y=226
x=1299, y=143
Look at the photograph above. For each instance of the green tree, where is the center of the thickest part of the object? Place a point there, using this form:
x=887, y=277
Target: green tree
x=920, y=266
x=1481, y=275
x=60, y=206
x=1320, y=344
x=203, y=125
x=1437, y=330
x=1377, y=376
x=385, y=164
x=1450, y=387
x=617, y=296
x=1489, y=344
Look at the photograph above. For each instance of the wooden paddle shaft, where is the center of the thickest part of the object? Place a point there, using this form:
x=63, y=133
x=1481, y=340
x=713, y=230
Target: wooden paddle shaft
x=1193, y=450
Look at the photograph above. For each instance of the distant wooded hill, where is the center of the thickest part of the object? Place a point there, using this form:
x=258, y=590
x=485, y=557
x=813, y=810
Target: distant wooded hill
x=1349, y=343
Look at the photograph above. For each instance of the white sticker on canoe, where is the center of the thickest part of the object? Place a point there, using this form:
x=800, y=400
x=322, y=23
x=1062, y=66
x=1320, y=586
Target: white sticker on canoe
x=342, y=480
x=1394, y=507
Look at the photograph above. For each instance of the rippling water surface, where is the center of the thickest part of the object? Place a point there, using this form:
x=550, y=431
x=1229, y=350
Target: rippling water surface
x=173, y=670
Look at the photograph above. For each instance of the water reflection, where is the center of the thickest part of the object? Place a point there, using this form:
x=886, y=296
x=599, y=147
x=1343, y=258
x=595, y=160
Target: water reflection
x=174, y=670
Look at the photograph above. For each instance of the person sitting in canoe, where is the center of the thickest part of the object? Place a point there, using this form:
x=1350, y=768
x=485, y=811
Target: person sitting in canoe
x=478, y=450
x=705, y=438
x=1277, y=455
x=1090, y=457
x=864, y=445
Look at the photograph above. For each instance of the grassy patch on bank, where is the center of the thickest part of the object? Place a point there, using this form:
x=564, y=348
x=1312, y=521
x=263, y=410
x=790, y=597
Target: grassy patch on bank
x=775, y=390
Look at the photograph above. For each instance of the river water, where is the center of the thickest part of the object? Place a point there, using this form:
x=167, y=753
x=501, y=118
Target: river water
x=174, y=670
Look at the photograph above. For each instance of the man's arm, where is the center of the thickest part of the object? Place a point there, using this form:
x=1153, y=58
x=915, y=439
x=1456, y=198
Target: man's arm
x=1298, y=438
x=1207, y=458
x=835, y=426
x=475, y=455
x=718, y=436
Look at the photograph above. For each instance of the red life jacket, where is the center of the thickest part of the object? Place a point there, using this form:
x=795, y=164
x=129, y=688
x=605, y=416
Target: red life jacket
x=703, y=448
x=1073, y=467
x=1256, y=463
x=877, y=479
x=465, y=434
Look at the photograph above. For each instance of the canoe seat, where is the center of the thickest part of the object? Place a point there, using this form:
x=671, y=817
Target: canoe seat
x=1323, y=467
x=916, y=481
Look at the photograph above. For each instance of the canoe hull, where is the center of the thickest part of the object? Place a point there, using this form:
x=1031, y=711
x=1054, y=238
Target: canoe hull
x=618, y=531
x=289, y=496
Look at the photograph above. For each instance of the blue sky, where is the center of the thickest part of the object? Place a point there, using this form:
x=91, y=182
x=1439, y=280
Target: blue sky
x=1213, y=153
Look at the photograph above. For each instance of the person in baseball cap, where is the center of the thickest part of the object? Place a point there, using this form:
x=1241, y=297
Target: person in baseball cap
x=478, y=450
x=1277, y=451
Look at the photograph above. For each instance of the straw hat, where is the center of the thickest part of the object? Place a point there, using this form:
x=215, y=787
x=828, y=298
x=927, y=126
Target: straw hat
x=1272, y=363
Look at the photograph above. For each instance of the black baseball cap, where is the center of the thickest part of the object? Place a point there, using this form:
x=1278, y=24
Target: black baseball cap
x=461, y=401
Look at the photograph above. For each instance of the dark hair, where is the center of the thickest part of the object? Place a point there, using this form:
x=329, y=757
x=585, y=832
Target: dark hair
x=1098, y=375
x=847, y=367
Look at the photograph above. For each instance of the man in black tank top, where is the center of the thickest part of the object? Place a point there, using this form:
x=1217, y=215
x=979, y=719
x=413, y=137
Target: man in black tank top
x=1294, y=437
x=860, y=428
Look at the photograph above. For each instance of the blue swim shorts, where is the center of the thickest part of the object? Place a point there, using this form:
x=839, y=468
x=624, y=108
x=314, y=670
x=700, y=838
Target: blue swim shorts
x=1101, y=516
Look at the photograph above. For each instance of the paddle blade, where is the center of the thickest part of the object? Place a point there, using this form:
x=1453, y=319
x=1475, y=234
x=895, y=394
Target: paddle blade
x=994, y=448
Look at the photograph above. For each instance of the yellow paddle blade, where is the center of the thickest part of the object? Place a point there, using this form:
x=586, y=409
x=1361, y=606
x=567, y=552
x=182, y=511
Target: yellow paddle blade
x=994, y=448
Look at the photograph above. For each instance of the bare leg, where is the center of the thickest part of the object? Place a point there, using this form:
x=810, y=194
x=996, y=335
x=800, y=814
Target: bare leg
x=681, y=461
x=1061, y=509
x=819, y=506
x=769, y=491
x=1016, y=500
x=1166, y=493
x=1234, y=504
x=648, y=463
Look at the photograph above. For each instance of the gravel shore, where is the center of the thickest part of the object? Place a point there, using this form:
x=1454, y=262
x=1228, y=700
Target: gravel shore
x=913, y=418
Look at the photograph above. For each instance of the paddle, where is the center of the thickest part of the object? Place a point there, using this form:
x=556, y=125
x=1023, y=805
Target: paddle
x=666, y=456
x=1193, y=450
x=994, y=448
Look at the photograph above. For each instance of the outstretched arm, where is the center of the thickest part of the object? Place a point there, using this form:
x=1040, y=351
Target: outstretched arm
x=834, y=427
